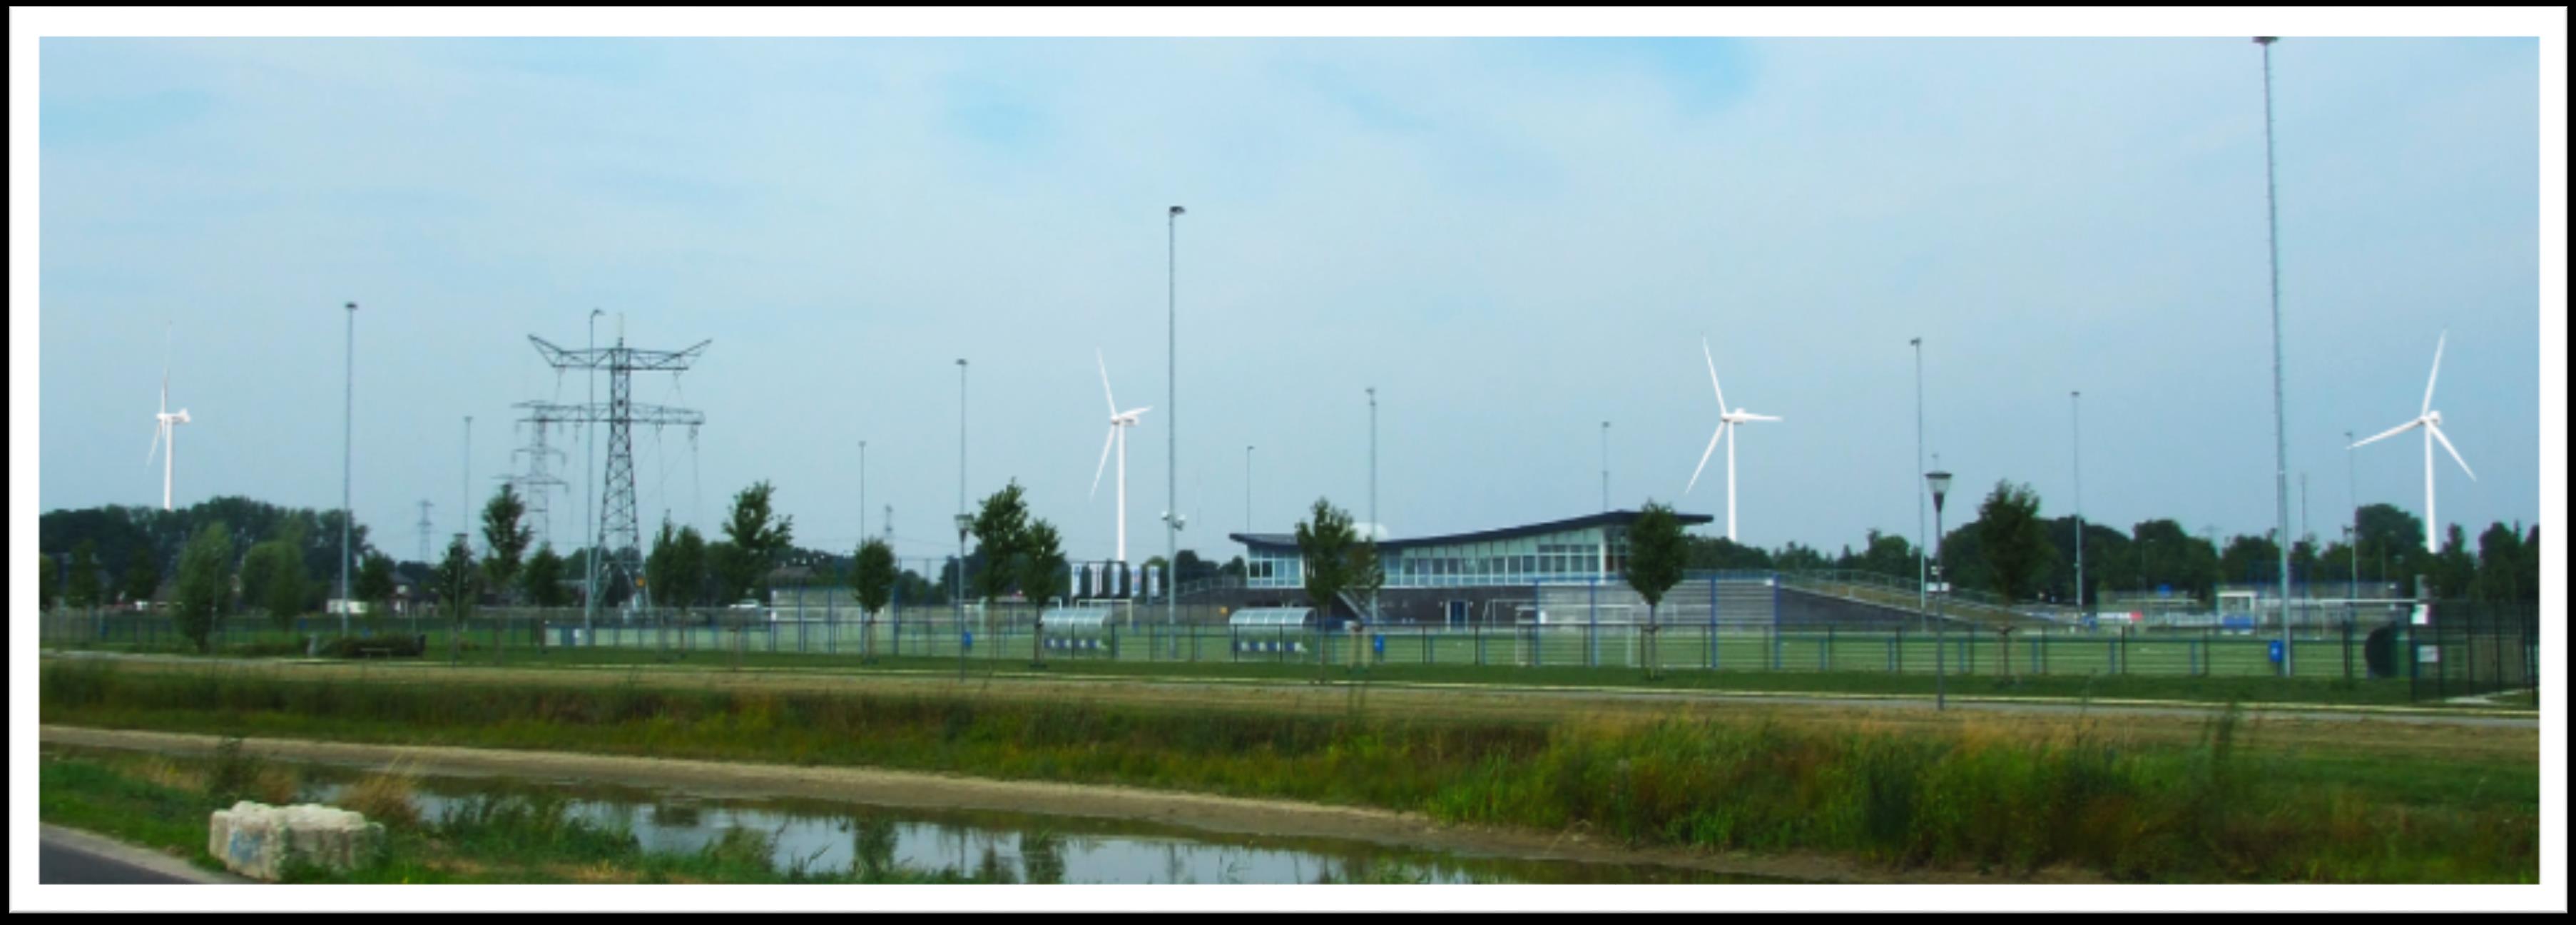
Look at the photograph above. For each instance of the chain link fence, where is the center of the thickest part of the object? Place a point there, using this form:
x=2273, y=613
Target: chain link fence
x=2466, y=649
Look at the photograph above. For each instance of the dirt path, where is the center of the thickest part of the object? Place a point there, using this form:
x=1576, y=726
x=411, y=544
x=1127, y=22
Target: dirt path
x=908, y=789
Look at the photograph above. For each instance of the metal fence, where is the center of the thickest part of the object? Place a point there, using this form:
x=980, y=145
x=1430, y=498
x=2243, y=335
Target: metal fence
x=2468, y=649
x=2471, y=648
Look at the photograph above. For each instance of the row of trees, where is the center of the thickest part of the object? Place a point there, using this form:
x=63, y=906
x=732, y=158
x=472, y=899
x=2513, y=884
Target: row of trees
x=2010, y=550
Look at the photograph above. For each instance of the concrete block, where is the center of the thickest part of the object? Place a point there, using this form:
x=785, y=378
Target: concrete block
x=255, y=839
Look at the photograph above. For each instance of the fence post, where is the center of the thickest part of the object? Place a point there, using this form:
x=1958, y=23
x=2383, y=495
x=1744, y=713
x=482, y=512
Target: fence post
x=2124, y=650
x=1825, y=656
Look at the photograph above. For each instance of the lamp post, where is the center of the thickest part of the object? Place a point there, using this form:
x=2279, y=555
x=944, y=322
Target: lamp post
x=2280, y=435
x=863, y=491
x=2077, y=399
x=963, y=521
x=1247, y=490
x=1922, y=566
x=1375, y=525
x=1171, y=405
x=348, y=402
x=1940, y=484
x=1605, y=467
x=590, y=476
x=2352, y=545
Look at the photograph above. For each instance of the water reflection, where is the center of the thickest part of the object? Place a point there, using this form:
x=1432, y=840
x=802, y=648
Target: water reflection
x=818, y=839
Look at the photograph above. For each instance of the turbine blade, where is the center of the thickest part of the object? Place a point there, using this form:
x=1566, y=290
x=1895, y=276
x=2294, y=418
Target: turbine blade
x=1703, y=458
x=2437, y=373
x=1141, y=410
x=2393, y=431
x=1712, y=375
x=2455, y=452
x=157, y=428
x=1104, y=382
x=1757, y=417
x=1104, y=460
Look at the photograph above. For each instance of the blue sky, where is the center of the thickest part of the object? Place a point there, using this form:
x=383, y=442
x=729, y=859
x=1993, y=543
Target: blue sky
x=1512, y=239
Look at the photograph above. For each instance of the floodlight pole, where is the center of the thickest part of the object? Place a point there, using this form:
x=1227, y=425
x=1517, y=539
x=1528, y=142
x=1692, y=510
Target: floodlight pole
x=2280, y=435
x=1171, y=405
x=1940, y=483
x=962, y=520
x=348, y=404
x=1922, y=566
x=590, y=481
x=2077, y=401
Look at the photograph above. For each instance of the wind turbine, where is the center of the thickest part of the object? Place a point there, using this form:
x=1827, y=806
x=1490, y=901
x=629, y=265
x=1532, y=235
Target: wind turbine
x=162, y=431
x=1119, y=421
x=2431, y=421
x=1726, y=420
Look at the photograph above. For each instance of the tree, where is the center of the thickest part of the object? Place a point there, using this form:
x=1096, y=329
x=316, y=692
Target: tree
x=2251, y=560
x=205, y=582
x=272, y=579
x=504, y=538
x=2500, y=565
x=457, y=579
x=1335, y=560
x=2454, y=570
x=872, y=579
x=757, y=539
x=1656, y=555
x=376, y=582
x=48, y=582
x=998, y=528
x=1040, y=564
x=2014, y=545
x=542, y=580
x=82, y=586
x=142, y=579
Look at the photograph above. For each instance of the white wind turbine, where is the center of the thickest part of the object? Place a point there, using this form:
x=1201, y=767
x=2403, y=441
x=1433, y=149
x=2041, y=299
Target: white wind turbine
x=1119, y=421
x=2431, y=421
x=162, y=431
x=1726, y=420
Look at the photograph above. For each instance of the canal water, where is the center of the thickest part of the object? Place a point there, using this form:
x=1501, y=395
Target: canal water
x=830, y=838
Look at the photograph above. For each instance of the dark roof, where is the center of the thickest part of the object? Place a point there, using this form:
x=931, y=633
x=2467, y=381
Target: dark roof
x=1615, y=518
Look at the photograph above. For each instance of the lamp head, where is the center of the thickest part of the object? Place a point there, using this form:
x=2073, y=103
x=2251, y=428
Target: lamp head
x=1940, y=482
x=1177, y=210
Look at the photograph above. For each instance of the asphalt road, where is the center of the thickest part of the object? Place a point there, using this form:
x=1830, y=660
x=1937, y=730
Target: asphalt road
x=67, y=857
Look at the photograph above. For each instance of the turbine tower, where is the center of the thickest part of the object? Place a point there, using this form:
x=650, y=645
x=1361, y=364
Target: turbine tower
x=1119, y=422
x=162, y=431
x=1726, y=421
x=2431, y=421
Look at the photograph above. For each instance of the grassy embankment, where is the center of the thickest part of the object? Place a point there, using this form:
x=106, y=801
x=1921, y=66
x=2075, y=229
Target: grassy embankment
x=1986, y=797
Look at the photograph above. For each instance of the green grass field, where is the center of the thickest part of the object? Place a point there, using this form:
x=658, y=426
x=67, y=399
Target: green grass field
x=2159, y=666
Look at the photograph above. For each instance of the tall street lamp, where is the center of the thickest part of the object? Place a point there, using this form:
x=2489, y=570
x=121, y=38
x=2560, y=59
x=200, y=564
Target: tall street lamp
x=590, y=476
x=2280, y=435
x=348, y=402
x=1247, y=490
x=2352, y=583
x=1940, y=483
x=1605, y=467
x=963, y=521
x=1171, y=405
x=2077, y=400
x=1922, y=566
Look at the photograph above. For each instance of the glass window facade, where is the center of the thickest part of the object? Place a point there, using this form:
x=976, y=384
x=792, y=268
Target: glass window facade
x=1564, y=556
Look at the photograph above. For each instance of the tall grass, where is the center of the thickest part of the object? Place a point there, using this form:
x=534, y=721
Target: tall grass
x=1988, y=795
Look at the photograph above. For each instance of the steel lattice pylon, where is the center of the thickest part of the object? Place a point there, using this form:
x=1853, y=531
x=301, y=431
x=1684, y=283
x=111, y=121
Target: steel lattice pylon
x=619, y=535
